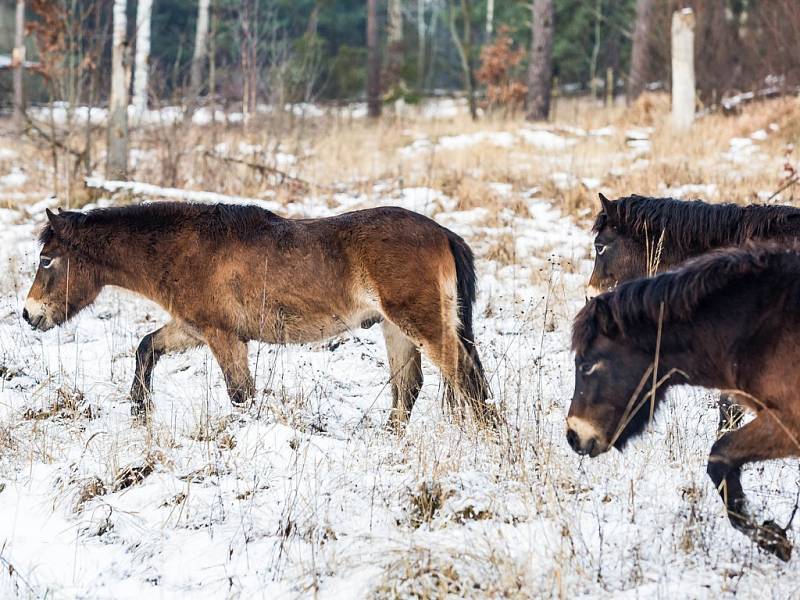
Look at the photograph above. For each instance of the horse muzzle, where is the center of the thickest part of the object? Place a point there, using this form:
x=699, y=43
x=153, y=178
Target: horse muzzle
x=584, y=438
x=35, y=315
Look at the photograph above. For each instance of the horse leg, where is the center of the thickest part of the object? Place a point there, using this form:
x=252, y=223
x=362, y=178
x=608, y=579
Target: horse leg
x=438, y=337
x=761, y=439
x=730, y=414
x=405, y=365
x=231, y=354
x=172, y=337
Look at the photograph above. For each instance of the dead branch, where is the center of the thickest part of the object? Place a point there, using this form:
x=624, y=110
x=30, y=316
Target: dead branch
x=299, y=184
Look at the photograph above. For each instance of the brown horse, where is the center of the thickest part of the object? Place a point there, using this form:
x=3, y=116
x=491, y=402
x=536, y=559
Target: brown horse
x=725, y=320
x=638, y=236
x=230, y=274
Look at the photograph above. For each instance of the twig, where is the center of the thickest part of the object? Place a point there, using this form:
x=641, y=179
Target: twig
x=792, y=180
x=262, y=168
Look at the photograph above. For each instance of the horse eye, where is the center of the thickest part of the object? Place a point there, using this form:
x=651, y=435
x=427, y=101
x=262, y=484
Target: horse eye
x=600, y=248
x=46, y=262
x=587, y=368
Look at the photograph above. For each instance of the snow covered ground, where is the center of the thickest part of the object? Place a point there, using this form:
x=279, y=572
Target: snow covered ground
x=306, y=494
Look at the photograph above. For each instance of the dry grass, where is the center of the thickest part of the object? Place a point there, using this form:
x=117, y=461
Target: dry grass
x=353, y=154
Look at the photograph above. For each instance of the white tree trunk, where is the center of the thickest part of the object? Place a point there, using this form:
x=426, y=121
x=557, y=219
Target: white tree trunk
x=141, y=70
x=489, y=17
x=200, y=47
x=18, y=60
x=117, y=152
x=683, y=85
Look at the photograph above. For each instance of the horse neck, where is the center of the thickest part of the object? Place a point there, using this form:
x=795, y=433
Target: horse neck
x=128, y=262
x=706, y=349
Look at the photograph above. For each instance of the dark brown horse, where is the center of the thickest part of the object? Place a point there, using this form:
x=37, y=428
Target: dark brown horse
x=728, y=320
x=638, y=236
x=230, y=274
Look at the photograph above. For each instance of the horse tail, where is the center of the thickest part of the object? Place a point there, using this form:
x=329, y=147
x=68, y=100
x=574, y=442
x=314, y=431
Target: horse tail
x=472, y=377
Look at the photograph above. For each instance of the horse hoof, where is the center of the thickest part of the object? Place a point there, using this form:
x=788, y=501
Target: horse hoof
x=772, y=538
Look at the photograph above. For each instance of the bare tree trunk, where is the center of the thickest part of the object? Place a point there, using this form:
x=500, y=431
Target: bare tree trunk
x=117, y=151
x=489, y=18
x=639, y=52
x=683, y=82
x=18, y=60
x=421, y=44
x=200, y=48
x=540, y=70
x=464, y=47
x=373, y=61
x=212, y=52
x=141, y=69
x=249, y=68
x=395, y=46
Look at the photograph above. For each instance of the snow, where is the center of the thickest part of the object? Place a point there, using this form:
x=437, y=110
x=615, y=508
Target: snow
x=539, y=138
x=154, y=191
x=306, y=495
x=15, y=178
x=691, y=191
x=545, y=140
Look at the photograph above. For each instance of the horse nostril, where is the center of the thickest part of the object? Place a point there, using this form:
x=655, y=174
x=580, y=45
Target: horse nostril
x=572, y=439
x=25, y=315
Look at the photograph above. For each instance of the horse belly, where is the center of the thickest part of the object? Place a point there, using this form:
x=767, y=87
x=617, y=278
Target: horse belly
x=311, y=321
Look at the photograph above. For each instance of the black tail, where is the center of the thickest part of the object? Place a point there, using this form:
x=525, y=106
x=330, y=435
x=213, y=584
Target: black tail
x=472, y=377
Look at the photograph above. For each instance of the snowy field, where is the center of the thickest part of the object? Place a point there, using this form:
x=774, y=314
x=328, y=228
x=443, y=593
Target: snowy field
x=305, y=495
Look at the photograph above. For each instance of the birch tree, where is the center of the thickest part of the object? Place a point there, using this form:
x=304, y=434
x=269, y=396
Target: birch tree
x=395, y=45
x=141, y=69
x=540, y=69
x=18, y=60
x=117, y=151
x=200, y=48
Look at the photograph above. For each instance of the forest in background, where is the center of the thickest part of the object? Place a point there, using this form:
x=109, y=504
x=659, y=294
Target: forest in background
x=316, y=50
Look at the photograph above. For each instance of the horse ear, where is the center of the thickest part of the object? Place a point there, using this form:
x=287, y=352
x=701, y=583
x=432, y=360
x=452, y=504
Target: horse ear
x=604, y=202
x=57, y=222
x=605, y=318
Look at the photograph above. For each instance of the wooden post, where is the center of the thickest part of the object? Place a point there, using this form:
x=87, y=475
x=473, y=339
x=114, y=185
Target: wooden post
x=683, y=82
x=18, y=62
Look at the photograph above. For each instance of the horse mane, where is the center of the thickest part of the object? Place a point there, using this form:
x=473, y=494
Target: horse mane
x=636, y=304
x=691, y=225
x=213, y=220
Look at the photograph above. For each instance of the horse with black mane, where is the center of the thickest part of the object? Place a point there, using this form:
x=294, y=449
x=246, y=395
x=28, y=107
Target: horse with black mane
x=726, y=320
x=638, y=236
x=229, y=274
